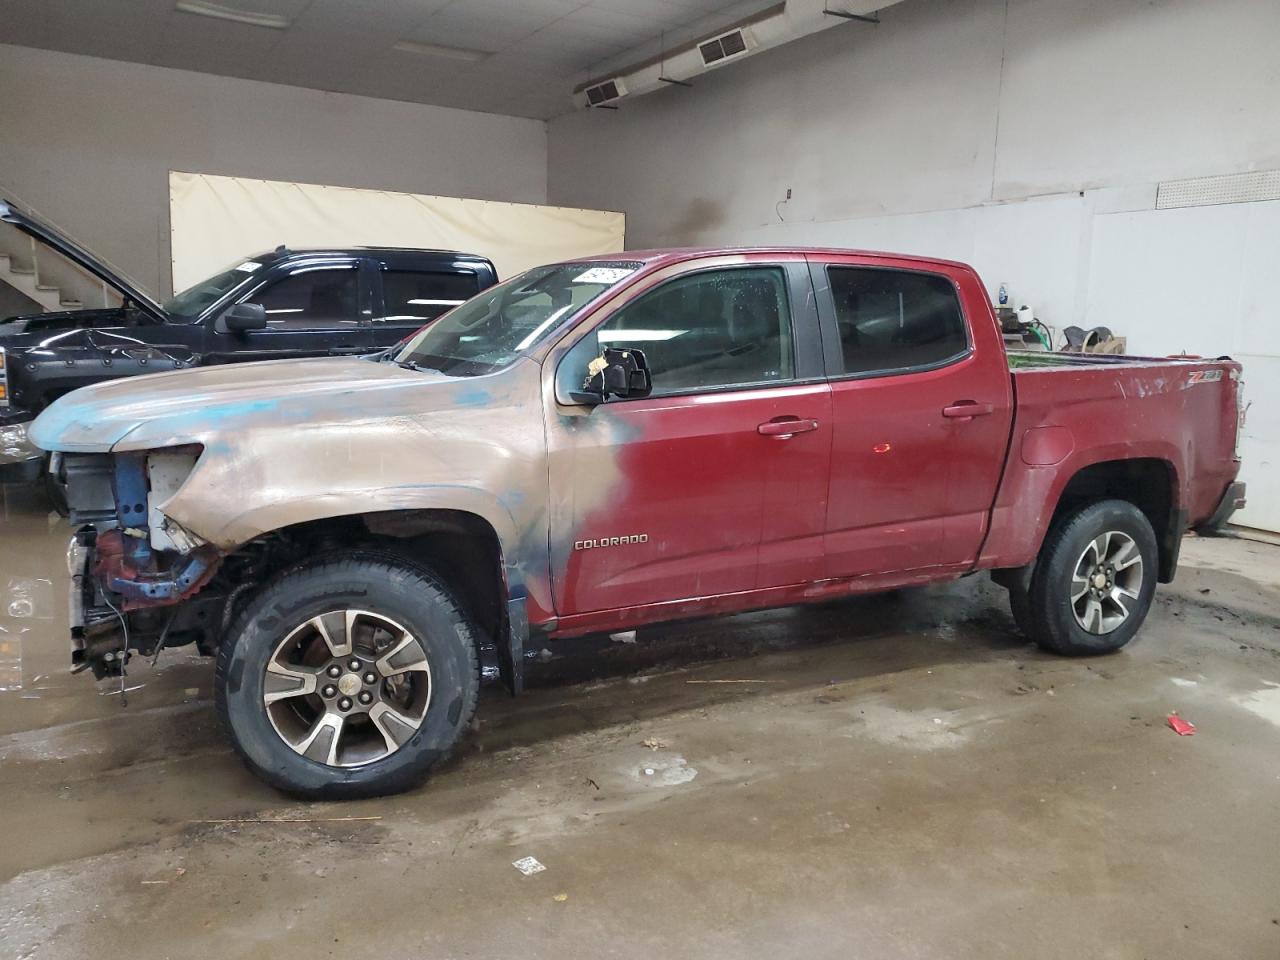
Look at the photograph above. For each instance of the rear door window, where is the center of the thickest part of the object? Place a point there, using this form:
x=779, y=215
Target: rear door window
x=892, y=321
x=415, y=296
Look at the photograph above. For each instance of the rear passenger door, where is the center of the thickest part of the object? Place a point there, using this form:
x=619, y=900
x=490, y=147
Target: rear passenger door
x=921, y=415
x=411, y=296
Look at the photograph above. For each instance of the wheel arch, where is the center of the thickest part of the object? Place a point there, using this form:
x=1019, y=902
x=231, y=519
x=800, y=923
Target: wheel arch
x=1151, y=483
x=462, y=547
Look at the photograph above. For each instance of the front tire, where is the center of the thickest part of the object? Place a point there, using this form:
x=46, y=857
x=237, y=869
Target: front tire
x=1094, y=580
x=348, y=678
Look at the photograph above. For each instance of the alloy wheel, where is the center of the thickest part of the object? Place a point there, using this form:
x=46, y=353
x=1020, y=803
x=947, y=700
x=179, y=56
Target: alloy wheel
x=347, y=688
x=1105, y=581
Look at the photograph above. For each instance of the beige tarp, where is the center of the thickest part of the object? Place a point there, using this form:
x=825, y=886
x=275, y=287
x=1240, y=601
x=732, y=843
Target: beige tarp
x=217, y=221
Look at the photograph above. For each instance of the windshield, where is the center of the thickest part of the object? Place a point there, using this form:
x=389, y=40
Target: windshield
x=491, y=330
x=193, y=301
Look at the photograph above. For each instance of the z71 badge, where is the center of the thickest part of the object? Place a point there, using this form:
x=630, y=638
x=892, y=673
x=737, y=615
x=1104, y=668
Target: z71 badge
x=1203, y=376
x=611, y=542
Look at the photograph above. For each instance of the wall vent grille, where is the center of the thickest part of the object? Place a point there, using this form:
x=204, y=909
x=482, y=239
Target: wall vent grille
x=720, y=48
x=604, y=92
x=1208, y=191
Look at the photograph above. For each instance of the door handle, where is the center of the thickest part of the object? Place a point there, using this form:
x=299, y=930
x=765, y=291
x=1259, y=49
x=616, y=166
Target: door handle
x=348, y=351
x=967, y=410
x=783, y=428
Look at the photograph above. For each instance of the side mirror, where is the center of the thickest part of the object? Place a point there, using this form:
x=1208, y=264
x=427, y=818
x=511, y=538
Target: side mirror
x=620, y=373
x=242, y=317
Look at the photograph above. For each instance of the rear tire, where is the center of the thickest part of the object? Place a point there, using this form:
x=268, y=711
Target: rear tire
x=1094, y=580
x=348, y=678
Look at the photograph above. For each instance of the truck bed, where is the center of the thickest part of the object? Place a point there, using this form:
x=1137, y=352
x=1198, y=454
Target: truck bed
x=1074, y=410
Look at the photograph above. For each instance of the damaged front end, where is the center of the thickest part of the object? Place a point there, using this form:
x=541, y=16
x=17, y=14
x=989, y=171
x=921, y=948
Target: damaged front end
x=139, y=581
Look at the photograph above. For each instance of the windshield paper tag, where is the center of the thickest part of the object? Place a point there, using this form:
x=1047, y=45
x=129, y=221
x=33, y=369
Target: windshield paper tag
x=249, y=266
x=603, y=275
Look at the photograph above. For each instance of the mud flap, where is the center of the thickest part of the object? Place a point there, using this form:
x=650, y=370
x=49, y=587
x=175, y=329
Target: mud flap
x=1170, y=544
x=513, y=656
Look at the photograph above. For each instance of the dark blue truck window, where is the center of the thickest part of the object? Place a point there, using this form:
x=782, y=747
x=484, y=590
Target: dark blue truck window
x=420, y=295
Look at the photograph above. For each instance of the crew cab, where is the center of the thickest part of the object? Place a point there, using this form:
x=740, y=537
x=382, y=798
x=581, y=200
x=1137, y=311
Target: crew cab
x=286, y=303
x=601, y=444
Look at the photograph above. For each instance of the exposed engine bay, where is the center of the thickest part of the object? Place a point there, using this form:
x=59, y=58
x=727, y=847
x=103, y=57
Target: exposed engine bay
x=142, y=582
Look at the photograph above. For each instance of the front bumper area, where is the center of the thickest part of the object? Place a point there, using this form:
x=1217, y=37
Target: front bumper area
x=20, y=459
x=97, y=630
x=118, y=607
x=138, y=582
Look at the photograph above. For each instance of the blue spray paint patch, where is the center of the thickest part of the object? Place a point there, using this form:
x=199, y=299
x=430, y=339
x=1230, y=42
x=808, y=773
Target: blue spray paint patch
x=474, y=397
x=246, y=408
x=217, y=447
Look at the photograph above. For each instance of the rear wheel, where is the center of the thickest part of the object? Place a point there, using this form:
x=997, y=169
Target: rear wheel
x=1094, y=580
x=348, y=678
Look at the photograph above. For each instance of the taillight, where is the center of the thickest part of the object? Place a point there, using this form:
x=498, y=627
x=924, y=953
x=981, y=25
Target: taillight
x=4, y=379
x=1242, y=408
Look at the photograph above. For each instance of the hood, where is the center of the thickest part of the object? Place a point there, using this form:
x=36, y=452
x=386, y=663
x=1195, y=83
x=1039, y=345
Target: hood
x=51, y=238
x=31, y=329
x=215, y=405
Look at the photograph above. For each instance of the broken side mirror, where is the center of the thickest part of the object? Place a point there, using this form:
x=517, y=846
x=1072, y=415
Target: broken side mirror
x=242, y=317
x=618, y=373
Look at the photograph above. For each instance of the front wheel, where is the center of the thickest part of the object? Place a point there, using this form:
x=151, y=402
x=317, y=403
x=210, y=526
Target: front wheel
x=348, y=678
x=1094, y=580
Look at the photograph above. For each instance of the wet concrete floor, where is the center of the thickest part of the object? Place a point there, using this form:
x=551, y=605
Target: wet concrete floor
x=899, y=776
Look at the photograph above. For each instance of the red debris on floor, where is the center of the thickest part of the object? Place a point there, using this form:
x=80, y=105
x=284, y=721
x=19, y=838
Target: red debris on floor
x=1183, y=728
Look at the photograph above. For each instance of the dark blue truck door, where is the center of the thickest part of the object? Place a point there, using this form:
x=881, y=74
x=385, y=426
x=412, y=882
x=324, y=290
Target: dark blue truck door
x=315, y=307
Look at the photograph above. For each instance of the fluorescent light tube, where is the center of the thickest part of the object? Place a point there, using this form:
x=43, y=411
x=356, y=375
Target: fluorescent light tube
x=438, y=50
x=206, y=8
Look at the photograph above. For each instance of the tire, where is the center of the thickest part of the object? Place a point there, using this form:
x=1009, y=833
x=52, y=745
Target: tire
x=1108, y=610
x=316, y=738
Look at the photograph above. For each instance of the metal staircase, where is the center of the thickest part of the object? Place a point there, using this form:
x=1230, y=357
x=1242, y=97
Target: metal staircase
x=46, y=277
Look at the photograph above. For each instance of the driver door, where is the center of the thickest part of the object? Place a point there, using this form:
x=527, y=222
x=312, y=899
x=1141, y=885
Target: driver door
x=317, y=309
x=696, y=491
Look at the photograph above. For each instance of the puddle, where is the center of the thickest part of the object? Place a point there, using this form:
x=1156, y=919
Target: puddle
x=1263, y=703
x=660, y=771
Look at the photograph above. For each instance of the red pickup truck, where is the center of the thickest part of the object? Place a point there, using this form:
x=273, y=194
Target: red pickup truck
x=606, y=443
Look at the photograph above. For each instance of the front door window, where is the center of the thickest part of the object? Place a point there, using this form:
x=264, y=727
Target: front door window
x=714, y=330
x=312, y=299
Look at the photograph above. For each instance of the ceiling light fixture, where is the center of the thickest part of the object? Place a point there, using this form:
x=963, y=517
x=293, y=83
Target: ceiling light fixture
x=206, y=8
x=439, y=50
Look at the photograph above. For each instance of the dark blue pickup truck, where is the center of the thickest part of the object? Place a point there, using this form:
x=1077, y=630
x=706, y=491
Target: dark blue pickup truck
x=282, y=304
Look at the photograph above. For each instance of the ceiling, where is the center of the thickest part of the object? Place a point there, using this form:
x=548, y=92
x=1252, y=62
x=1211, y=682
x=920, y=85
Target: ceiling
x=535, y=50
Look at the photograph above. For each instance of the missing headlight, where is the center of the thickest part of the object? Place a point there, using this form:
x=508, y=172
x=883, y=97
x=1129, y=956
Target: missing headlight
x=167, y=471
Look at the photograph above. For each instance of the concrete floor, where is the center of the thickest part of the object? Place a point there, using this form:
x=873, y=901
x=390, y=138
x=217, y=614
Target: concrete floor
x=901, y=777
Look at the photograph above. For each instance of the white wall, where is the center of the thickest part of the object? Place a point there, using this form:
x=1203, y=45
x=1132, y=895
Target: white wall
x=1026, y=138
x=89, y=143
